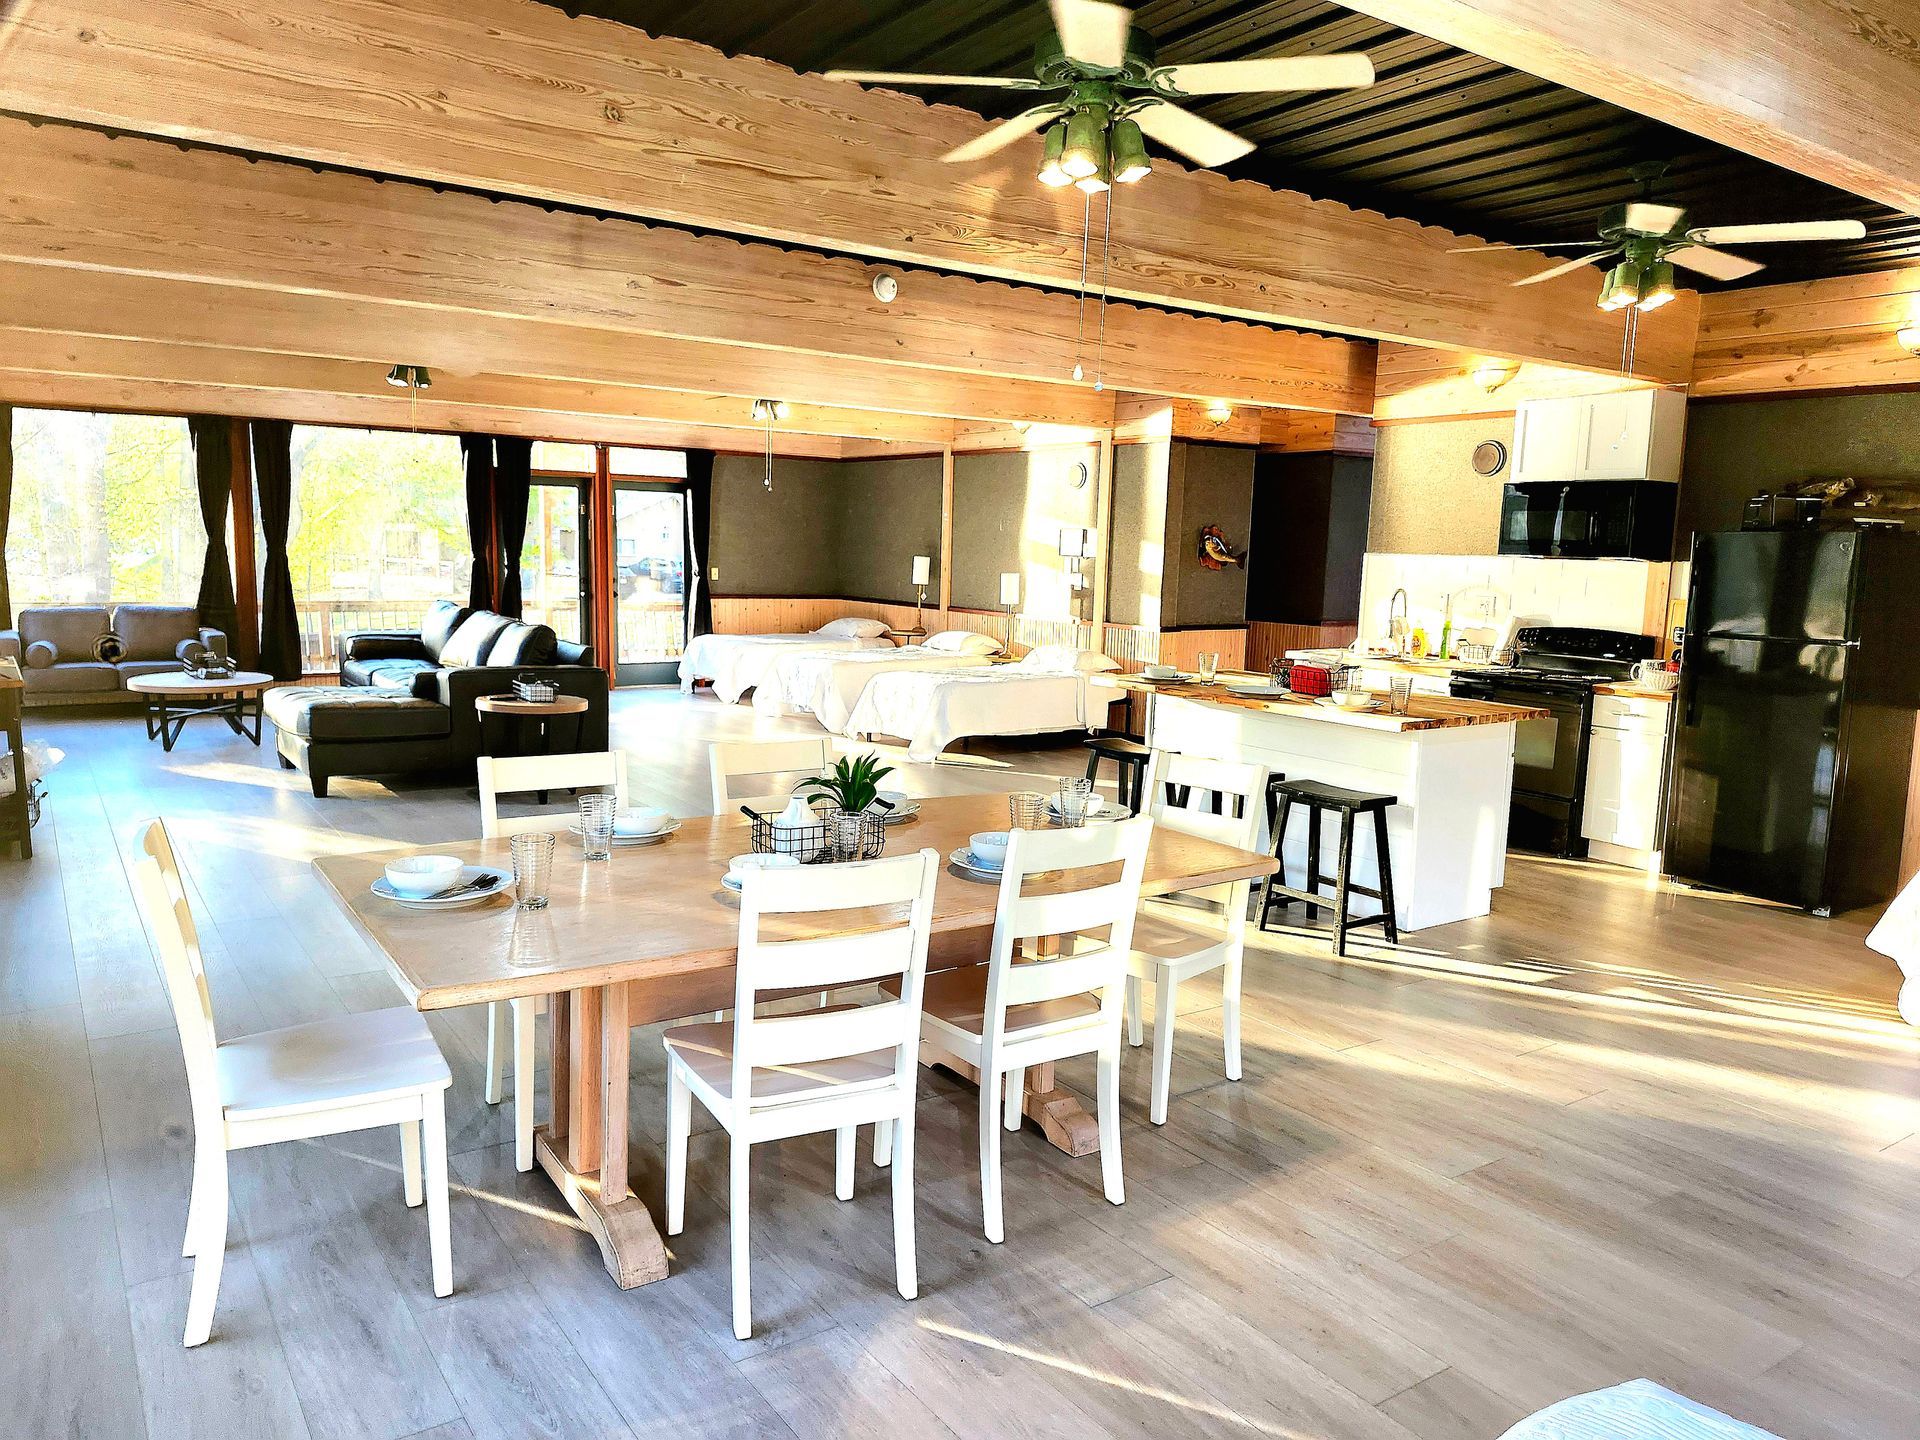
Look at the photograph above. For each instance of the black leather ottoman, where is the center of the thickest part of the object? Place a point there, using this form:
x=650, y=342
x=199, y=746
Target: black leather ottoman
x=327, y=730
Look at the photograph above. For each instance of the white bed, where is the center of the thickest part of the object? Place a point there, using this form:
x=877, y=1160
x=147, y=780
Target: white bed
x=737, y=663
x=930, y=709
x=829, y=684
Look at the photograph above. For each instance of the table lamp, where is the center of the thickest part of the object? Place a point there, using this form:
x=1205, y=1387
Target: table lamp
x=1010, y=597
x=922, y=575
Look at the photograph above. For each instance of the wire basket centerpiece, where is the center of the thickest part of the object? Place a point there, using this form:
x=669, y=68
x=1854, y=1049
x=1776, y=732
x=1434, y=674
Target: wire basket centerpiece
x=535, y=691
x=845, y=802
x=1306, y=678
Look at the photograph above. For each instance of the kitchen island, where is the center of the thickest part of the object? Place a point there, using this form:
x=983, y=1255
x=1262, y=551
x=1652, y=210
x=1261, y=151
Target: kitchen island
x=1448, y=763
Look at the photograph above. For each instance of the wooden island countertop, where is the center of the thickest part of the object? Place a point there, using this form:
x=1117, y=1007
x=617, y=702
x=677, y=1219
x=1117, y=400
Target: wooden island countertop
x=1424, y=712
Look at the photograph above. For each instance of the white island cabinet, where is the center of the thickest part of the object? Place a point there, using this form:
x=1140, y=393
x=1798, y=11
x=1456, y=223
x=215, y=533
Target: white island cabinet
x=1448, y=764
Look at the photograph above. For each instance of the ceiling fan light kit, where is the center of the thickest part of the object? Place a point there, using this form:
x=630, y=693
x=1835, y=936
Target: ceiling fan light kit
x=1085, y=149
x=1053, y=173
x=1129, y=153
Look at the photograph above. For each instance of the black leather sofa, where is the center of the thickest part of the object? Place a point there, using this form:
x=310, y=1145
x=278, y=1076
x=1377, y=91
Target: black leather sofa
x=404, y=704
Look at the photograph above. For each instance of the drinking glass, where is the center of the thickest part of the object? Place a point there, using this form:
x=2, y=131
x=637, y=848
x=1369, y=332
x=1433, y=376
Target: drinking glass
x=1399, y=693
x=532, y=864
x=1027, y=809
x=596, y=827
x=1209, y=666
x=1074, y=797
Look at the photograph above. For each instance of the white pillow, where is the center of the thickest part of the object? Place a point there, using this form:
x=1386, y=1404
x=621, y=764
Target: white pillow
x=962, y=642
x=853, y=628
x=1055, y=658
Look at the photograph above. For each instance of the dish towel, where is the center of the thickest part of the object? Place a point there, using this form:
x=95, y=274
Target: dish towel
x=1637, y=1410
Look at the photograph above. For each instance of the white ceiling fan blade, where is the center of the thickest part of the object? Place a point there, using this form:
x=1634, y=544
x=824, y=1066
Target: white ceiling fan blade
x=1565, y=267
x=1290, y=72
x=1093, y=32
x=1201, y=141
x=903, y=77
x=1717, y=263
x=1792, y=230
x=1537, y=245
x=1651, y=219
x=1000, y=136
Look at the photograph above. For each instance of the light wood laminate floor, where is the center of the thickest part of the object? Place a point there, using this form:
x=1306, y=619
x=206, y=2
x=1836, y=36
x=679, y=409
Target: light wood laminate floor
x=1609, y=1131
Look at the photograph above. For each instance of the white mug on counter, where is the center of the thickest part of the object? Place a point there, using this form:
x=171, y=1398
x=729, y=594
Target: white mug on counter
x=1654, y=675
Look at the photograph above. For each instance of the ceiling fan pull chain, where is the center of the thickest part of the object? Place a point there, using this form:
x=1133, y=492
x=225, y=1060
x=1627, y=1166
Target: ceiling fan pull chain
x=1086, y=239
x=1106, y=268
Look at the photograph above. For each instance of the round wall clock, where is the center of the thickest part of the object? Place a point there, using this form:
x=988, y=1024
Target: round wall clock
x=1489, y=457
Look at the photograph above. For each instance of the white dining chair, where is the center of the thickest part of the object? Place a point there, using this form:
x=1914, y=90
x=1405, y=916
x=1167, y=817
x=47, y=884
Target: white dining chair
x=329, y=1077
x=1010, y=1013
x=500, y=775
x=770, y=1077
x=727, y=760
x=1169, y=947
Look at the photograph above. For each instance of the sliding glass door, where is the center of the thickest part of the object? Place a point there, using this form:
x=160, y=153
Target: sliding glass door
x=650, y=580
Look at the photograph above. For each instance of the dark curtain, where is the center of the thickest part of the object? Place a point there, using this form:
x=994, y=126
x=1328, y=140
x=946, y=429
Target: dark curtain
x=213, y=466
x=699, y=600
x=512, y=486
x=272, y=442
x=476, y=454
x=6, y=510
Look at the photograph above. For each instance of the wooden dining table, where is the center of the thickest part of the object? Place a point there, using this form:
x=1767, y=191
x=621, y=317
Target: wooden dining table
x=650, y=935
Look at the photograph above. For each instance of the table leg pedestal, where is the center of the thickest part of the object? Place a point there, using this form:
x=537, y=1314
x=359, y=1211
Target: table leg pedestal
x=584, y=1149
x=1063, y=1120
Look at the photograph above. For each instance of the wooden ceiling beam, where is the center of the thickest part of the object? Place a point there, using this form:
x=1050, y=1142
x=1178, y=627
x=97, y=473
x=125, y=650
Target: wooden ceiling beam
x=184, y=312
x=141, y=207
x=520, y=99
x=1422, y=384
x=82, y=357
x=1823, y=89
x=1835, y=334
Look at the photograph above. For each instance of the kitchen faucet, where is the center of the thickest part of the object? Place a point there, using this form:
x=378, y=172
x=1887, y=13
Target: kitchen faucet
x=1398, y=620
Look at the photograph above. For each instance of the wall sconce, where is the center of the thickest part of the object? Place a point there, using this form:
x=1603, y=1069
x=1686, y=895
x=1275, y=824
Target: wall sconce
x=410, y=377
x=1909, y=337
x=1219, y=411
x=1490, y=375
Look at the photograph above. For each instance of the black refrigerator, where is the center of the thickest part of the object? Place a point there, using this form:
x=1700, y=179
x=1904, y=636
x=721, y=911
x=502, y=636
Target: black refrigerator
x=1794, y=721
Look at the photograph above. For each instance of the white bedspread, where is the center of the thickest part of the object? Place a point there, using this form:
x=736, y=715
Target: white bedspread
x=737, y=663
x=829, y=685
x=931, y=709
x=1637, y=1410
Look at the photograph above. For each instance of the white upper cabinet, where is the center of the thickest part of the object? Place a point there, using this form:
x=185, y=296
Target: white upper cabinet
x=1630, y=435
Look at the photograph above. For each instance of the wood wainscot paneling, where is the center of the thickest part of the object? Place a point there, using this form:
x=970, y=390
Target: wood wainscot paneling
x=1268, y=641
x=1834, y=334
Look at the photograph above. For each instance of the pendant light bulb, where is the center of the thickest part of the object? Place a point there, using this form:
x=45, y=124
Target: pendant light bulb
x=397, y=377
x=1622, y=287
x=1656, y=285
x=1084, y=147
x=1094, y=184
x=1052, y=173
x=1129, y=158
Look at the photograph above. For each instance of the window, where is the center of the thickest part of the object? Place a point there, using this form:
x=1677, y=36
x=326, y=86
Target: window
x=379, y=532
x=105, y=510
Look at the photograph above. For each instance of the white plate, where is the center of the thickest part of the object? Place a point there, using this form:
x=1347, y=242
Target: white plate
x=503, y=885
x=1098, y=808
x=662, y=833
x=963, y=858
x=1177, y=678
x=1264, y=688
x=1333, y=704
x=904, y=811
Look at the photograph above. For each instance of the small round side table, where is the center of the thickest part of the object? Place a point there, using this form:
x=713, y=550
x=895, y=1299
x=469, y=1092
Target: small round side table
x=503, y=716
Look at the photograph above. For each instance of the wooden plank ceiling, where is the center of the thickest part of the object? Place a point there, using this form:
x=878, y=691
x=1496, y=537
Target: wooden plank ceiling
x=600, y=116
x=1445, y=136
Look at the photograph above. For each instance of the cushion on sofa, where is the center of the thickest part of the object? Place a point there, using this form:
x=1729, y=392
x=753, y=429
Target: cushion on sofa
x=71, y=629
x=523, y=644
x=41, y=654
x=473, y=639
x=325, y=712
x=127, y=669
x=74, y=677
x=154, y=632
x=443, y=618
x=388, y=673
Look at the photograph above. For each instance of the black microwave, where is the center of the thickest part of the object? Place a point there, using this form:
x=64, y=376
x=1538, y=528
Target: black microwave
x=1589, y=519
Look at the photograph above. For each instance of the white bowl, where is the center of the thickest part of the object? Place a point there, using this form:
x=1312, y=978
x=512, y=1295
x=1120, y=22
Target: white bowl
x=989, y=847
x=1159, y=672
x=760, y=860
x=640, y=820
x=1352, y=699
x=418, y=876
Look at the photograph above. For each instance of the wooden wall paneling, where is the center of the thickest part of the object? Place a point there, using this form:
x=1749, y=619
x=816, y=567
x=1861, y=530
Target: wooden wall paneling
x=1420, y=383
x=1160, y=417
x=127, y=306
x=1315, y=433
x=1824, y=90
x=636, y=115
x=83, y=199
x=1268, y=641
x=1829, y=334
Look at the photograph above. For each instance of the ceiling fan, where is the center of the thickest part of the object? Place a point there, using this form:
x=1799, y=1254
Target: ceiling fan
x=1115, y=89
x=1651, y=239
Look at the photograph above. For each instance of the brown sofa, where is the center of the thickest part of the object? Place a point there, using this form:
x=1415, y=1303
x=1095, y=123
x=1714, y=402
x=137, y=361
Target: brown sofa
x=55, y=648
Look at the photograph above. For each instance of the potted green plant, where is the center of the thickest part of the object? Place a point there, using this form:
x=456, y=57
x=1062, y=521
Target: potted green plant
x=850, y=788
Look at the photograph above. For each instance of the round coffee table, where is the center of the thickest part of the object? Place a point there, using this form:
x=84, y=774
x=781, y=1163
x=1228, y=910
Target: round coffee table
x=524, y=717
x=175, y=697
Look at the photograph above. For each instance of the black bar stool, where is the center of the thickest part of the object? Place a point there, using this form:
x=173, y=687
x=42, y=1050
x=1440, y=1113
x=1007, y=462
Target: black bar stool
x=1318, y=799
x=1130, y=759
